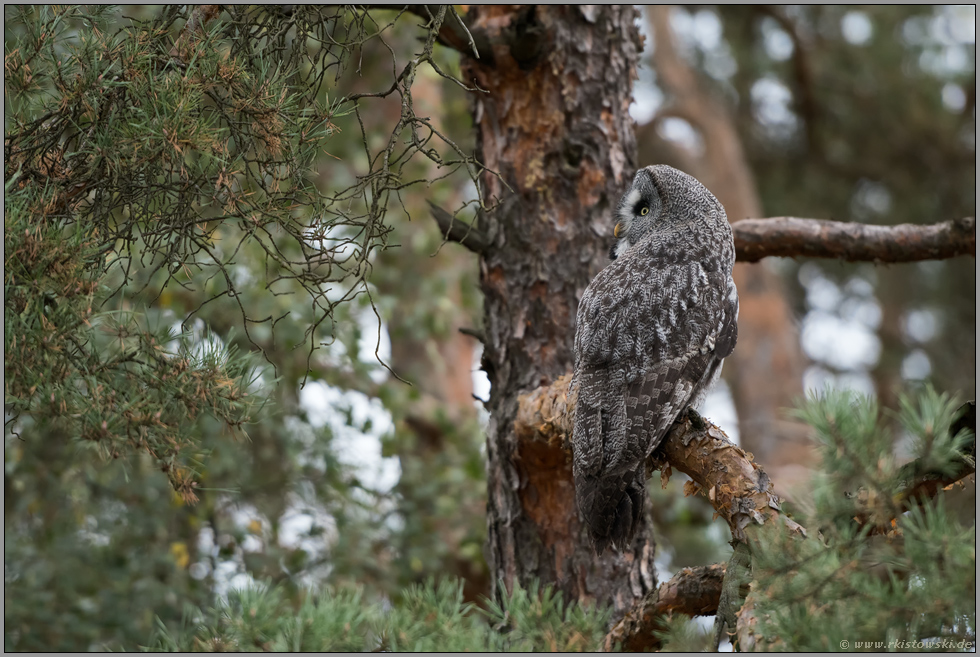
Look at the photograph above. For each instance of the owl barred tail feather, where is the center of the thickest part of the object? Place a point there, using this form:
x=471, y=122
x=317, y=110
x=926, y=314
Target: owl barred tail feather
x=611, y=508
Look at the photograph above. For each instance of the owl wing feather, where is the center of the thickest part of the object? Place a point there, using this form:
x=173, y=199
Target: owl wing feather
x=654, y=401
x=633, y=378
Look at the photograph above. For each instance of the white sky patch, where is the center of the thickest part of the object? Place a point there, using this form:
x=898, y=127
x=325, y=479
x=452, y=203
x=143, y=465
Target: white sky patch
x=943, y=62
x=362, y=450
x=719, y=407
x=860, y=382
x=856, y=28
x=863, y=285
x=840, y=330
x=701, y=30
x=252, y=543
x=771, y=103
x=916, y=366
x=844, y=345
x=955, y=24
x=816, y=379
x=920, y=325
x=681, y=132
x=866, y=312
x=870, y=198
x=198, y=570
x=706, y=29
x=647, y=97
x=241, y=581
x=295, y=524
x=821, y=293
x=682, y=24
x=954, y=98
x=205, y=542
x=481, y=386
x=375, y=343
x=777, y=43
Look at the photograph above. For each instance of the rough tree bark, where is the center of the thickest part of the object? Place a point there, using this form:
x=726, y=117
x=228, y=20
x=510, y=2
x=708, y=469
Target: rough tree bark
x=814, y=238
x=555, y=125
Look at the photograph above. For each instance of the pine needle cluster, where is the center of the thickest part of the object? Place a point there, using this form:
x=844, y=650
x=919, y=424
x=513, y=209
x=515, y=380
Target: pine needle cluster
x=428, y=618
x=886, y=563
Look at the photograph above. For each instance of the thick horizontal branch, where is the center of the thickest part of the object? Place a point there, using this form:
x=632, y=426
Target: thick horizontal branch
x=815, y=238
x=693, y=591
x=739, y=490
x=455, y=230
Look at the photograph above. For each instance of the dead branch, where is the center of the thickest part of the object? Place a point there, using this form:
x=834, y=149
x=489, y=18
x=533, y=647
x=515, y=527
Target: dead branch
x=815, y=238
x=739, y=490
x=454, y=230
x=693, y=591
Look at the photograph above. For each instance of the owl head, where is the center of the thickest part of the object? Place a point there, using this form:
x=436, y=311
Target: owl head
x=661, y=198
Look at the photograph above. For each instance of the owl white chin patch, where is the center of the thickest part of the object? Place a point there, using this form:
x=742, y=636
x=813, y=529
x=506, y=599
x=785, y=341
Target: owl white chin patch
x=622, y=246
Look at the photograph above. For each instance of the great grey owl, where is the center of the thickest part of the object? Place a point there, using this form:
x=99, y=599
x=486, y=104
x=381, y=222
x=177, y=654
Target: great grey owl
x=652, y=330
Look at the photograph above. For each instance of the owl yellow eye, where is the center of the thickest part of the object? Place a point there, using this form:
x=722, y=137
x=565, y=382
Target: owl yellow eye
x=644, y=211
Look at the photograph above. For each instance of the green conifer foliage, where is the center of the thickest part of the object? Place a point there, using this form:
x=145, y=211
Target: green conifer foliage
x=427, y=618
x=879, y=565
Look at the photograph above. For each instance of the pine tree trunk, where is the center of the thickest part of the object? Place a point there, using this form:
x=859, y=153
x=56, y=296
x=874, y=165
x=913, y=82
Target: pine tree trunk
x=555, y=125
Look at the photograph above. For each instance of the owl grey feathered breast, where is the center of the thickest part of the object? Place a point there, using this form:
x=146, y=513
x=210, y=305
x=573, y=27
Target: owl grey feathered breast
x=652, y=330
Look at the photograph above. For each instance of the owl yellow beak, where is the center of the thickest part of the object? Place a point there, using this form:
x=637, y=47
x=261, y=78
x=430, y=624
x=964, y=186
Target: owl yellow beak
x=617, y=230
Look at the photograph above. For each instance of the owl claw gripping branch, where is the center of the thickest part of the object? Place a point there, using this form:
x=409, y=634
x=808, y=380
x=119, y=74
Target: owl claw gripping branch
x=651, y=332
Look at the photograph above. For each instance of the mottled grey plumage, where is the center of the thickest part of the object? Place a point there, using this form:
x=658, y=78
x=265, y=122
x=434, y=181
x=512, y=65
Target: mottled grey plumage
x=652, y=330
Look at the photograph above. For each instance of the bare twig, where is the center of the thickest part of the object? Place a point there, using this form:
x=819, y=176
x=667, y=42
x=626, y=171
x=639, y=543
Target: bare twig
x=474, y=333
x=458, y=231
x=469, y=36
x=790, y=236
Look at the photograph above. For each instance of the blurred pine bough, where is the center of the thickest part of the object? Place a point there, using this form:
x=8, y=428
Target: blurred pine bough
x=153, y=173
x=428, y=618
x=147, y=157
